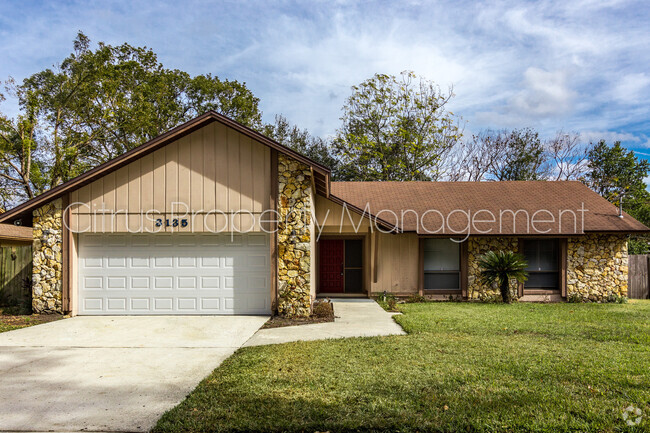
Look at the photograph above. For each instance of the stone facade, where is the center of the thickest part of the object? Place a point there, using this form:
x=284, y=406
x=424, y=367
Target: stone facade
x=477, y=246
x=597, y=267
x=294, y=238
x=48, y=264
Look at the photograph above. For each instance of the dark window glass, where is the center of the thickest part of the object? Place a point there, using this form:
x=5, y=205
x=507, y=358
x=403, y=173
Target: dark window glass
x=441, y=264
x=541, y=254
x=542, y=280
x=353, y=253
x=442, y=280
x=441, y=255
x=543, y=263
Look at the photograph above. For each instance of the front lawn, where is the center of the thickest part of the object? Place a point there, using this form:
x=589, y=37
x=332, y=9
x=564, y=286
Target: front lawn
x=463, y=367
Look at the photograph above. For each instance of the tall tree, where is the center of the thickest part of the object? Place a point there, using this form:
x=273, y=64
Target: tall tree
x=616, y=172
x=99, y=103
x=395, y=129
x=302, y=142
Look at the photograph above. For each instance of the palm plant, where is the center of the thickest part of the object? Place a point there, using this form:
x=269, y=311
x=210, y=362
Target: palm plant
x=501, y=267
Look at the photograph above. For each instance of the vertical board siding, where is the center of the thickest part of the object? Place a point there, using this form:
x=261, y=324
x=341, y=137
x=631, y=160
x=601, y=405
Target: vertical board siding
x=221, y=147
x=234, y=178
x=197, y=153
x=121, y=199
x=333, y=218
x=638, y=276
x=134, y=185
x=171, y=176
x=397, y=263
x=213, y=168
x=15, y=269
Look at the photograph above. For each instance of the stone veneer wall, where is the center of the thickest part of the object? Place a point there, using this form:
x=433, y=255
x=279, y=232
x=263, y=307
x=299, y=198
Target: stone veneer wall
x=48, y=262
x=597, y=267
x=477, y=246
x=294, y=238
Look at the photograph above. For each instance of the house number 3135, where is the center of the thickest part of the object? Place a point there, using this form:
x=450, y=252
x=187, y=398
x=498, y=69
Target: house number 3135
x=173, y=222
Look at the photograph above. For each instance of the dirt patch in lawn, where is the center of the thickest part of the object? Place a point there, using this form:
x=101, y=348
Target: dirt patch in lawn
x=323, y=312
x=12, y=318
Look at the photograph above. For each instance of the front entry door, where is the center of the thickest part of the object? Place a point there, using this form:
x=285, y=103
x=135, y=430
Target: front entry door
x=331, y=265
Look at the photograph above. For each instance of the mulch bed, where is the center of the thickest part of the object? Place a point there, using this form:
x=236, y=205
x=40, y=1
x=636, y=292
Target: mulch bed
x=11, y=319
x=323, y=313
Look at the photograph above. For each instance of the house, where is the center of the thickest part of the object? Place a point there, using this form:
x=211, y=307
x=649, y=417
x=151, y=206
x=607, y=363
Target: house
x=215, y=218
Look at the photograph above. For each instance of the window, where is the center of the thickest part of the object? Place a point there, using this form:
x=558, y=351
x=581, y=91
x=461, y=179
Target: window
x=441, y=264
x=543, y=264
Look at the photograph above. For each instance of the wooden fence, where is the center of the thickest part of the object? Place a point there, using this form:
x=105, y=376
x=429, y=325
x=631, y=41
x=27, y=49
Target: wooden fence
x=15, y=272
x=638, y=277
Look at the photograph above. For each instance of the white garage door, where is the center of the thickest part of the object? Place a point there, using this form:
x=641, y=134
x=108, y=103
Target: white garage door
x=174, y=274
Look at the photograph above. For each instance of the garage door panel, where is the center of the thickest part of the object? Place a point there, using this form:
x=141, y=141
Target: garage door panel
x=139, y=283
x=116, y=305
x=93, y=283
x=140, y=304
x=180, y=274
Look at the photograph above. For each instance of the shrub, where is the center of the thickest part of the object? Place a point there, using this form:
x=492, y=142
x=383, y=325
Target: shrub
x=489, y=297
x=616, y=299
x=388, y=301
x=575, y=298
x=500, y=268
x=414, y=299
x=323, y=308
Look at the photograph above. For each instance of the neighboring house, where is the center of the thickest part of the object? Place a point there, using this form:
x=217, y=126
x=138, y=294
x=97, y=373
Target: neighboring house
x=214, y=218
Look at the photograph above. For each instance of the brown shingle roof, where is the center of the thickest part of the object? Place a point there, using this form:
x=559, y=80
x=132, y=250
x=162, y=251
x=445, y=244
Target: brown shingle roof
x=14, y=233
x=418, y=206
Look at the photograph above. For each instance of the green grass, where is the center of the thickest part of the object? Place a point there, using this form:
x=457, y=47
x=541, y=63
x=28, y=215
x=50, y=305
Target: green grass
x=463, y=367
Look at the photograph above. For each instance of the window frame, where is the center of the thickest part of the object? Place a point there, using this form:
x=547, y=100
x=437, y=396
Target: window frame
x=559, y=271
x=461, y=272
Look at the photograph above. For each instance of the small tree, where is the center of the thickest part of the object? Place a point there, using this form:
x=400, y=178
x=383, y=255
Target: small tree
x=501, y=267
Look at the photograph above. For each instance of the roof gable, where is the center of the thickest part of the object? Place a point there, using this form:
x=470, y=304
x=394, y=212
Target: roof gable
x=321, y=173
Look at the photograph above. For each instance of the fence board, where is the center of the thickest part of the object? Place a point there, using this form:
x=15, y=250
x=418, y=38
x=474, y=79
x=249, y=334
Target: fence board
x=15, y=268
x=638, y=276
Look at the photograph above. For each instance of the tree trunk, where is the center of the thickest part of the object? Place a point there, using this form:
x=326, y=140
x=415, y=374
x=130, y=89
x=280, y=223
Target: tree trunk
x=505, y=289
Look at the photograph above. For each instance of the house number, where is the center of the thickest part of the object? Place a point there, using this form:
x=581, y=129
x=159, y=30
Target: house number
x=174, y=222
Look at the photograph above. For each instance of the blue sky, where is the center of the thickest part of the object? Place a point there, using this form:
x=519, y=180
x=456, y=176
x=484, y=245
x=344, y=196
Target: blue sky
x=579, y=66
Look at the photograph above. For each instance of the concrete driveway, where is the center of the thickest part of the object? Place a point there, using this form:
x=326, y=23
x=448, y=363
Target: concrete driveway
x=110, y=373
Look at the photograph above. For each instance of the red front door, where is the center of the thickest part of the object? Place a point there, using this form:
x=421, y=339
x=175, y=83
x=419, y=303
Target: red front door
x=331, y=265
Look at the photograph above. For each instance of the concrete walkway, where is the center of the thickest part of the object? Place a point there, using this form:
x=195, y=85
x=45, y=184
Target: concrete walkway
x=110, y=373
x=354, y=318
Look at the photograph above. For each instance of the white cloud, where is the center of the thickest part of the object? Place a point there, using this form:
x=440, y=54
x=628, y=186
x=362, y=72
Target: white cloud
x=578, y=65
x=632, y=88
x=545, y=93
x=609, y=136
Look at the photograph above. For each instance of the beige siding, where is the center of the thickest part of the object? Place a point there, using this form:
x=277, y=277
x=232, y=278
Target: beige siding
x=217, y=174
x=333, y=218
x=397, y=254
x=397, y=263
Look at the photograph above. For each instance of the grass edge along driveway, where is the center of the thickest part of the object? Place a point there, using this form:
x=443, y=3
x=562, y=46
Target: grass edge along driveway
x=463, y=367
